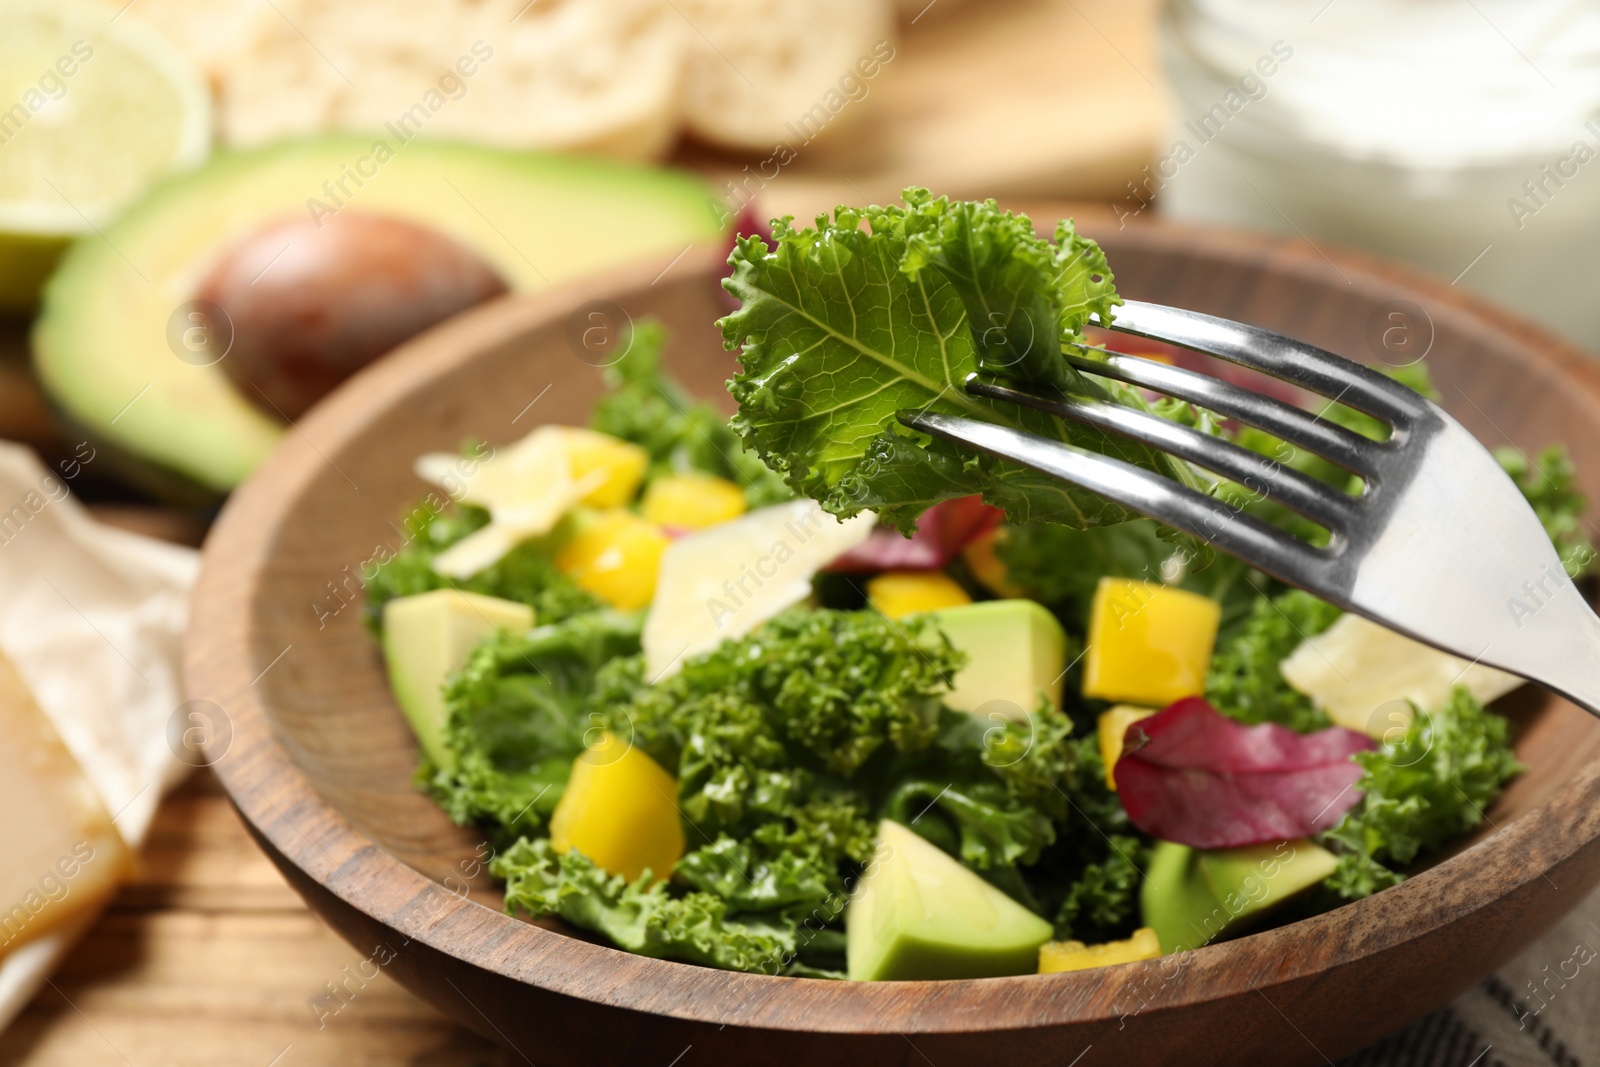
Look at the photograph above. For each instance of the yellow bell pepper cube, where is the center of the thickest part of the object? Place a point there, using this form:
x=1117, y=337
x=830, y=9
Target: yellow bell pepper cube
x=1113, y=728
x=615, y=555
x=616, y=466
x=901, y=593
x=692, y=501
x=983, y=559
x=1148, y=643
x=1058, y=956
x=620, y=810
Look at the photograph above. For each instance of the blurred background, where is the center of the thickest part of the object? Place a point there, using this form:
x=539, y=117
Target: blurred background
x=213, y=211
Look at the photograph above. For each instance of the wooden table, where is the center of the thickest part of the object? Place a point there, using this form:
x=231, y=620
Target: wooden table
x=209, y=960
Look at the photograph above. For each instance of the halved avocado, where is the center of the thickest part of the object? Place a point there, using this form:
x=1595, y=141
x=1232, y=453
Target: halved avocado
x=101, y=344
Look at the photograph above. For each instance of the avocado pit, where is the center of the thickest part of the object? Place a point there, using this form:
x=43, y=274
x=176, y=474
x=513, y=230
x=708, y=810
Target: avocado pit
x=312, y=303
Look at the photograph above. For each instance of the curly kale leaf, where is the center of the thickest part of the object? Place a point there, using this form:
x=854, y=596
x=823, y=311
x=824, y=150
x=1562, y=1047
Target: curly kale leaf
x=770, y=736
x=824, y=690
x=1420, y=789
x=841, y=329
x=1244, y=681
x=1549, y=484
x=789, y=744
x=517, y=716
x=748, y=879
x=641, y=916
x=647, y=407
x=1102, y=902
x=525, y=574
x=1087, y=882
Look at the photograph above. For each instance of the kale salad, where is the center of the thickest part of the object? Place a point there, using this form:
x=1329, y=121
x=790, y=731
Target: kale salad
x=808, y=693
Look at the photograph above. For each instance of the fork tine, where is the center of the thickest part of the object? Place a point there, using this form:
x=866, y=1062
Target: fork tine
x=1307, y=366
x=1209, y=519
x=1320, y=503
x=1351, y=451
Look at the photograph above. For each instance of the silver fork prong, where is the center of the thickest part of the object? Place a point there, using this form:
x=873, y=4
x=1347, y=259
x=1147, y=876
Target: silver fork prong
x=1207, y=518
x=1351, y=451
x=1307, y=366
x=1262, y=475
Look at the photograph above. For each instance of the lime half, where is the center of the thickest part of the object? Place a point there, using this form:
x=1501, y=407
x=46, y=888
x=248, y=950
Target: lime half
x=93, y=107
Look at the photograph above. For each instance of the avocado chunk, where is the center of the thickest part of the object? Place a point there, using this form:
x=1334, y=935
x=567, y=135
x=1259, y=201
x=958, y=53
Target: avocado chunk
x=1257, y=878
x=1015, y=649
x=1193, y=896
x=112, y=345
x=918, y=914
x=425, y=638
x=1175, y=900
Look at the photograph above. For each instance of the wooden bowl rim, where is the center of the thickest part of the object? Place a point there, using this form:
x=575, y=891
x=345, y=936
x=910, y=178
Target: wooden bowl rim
x=276, y=799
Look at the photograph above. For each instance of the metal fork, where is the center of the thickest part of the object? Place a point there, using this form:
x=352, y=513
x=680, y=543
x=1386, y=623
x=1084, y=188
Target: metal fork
x=1440, y=545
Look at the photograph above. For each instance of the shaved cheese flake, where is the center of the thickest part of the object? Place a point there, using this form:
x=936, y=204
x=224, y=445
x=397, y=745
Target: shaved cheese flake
x=1358, y=673
x=526, y=487
x=720, y=583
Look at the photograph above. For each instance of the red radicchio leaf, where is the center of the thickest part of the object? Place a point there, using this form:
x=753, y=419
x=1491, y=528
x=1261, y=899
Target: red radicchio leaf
x=1192, y=775
x=944, y=530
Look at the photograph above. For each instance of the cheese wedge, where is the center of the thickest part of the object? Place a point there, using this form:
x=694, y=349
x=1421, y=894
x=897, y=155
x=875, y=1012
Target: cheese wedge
x=1361, y=674
x=60, y=855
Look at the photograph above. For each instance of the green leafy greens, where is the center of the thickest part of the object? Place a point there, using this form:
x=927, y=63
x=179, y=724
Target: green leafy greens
x=841, y=329
x=638, y=916
x=787, y=746
x=643, y=405
x=526, y=574
x=1244, y=681
x=517, y=715
x=1549, y=483
x=1424, y=786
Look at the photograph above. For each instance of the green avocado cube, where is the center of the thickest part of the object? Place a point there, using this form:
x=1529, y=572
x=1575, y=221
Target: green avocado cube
x=1016, y=651
x=1257, y=878
x=1193, y=896
x=425, y=638
x=918, y=914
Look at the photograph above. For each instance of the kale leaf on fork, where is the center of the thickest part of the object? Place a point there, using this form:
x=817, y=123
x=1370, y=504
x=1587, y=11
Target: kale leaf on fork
x=843, y=328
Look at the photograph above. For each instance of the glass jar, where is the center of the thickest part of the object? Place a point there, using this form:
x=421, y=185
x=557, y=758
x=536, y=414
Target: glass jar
x=1462, y=137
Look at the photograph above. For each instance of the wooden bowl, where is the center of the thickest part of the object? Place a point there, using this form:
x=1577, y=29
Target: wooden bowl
x=320, y=761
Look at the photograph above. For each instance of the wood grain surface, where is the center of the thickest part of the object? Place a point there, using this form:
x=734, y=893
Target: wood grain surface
x=209, y=960
x=320, y=758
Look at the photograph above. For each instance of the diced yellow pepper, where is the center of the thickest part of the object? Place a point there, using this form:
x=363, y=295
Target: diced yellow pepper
x=619, y=465
x=901, y=593
x=615, y=555
x=1113, y=728
x=692, y=501
x=1148, y=643
x=986, y=566
x=1058, y=956
x=620, y=810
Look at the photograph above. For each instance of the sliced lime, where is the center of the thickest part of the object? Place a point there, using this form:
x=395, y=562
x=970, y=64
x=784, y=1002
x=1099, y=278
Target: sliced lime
x=93, y=107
